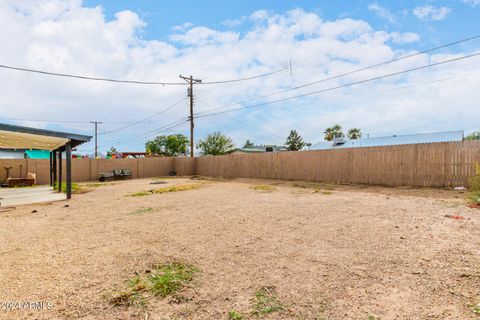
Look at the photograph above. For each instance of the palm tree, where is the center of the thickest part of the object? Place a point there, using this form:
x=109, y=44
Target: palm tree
x=354, y=133
x=333, y=132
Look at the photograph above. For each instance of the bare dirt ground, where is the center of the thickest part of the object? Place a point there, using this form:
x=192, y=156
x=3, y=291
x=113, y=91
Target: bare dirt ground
x=326, y=251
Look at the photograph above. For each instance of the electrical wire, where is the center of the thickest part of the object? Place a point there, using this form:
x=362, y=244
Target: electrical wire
x=244, y=122
x=67, y=75
x=163, y=83
x=145, y=119
x=62, y=121
x=152, y=134
x=244, y=79
x=353, y=71
x=130, y=123
x=346, y=85
x=125, y=140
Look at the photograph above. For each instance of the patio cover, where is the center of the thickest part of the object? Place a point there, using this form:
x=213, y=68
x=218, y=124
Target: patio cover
x=18, y=137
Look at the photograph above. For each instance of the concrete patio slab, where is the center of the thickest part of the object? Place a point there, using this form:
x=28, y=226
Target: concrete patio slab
x=29, y=195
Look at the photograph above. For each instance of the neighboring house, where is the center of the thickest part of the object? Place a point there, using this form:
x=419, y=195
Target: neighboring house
x=132, y=154
x=37, y=154
x=259, y=149
x=99, y=155
x=12, y=154
x=24, y=154
x=446, y=136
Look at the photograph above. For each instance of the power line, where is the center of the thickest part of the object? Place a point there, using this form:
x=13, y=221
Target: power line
x=130, y=123
x=352, y=72
x=245, y=79
x=163, y=83
x=244, y=122
x=347, y=85
x=173, y=125
x=149, y=133
x=145, y=119
x=67, y=75
x=372, y=92
x=62, y=121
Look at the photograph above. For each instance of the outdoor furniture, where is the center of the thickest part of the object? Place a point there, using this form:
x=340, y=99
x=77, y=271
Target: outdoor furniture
x=21, y=182
x=116, y=174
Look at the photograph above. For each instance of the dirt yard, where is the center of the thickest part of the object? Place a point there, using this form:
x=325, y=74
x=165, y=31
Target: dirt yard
x=260, y=249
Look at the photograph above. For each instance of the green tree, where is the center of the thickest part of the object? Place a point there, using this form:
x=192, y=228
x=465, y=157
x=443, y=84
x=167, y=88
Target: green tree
x=354, y=133
x=216, y=144
x=333, y=132
x=169, y=146
x=248, y=144
x=294, y=141
x=473, y=136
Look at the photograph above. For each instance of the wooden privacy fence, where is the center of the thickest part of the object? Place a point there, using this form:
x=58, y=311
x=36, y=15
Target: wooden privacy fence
x=89, y=169
x=435, y=164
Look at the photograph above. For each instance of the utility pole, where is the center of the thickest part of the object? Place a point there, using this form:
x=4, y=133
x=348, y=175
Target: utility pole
x=96, y=123
x=191, y=82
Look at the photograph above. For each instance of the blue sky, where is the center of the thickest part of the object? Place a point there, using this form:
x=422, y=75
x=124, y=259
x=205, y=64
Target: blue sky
x=162, y=16
x=220, y=40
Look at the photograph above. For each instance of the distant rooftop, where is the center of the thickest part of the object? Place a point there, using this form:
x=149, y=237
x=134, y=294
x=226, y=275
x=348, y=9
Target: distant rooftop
x=257, y=149
x=445, y=136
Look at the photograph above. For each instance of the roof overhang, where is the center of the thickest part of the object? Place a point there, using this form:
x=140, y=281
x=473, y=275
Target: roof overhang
x=18, y=137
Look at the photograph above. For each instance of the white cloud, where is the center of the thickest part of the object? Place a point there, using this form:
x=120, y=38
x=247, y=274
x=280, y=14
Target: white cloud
x=183, y=27
x=201, y=36
x=382, y=12
x=430, y=12
x=403, y=38
x=232, y=23
x=259, y=15
x=473, y=3
x=64, y=36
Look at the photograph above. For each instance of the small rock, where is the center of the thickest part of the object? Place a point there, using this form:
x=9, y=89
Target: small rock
x=34, y=211
x=66, y=206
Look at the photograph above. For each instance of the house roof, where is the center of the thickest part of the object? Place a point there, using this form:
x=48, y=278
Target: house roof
x=18, y=137
x=249, y=150
x=446, y=136
x=257, y=149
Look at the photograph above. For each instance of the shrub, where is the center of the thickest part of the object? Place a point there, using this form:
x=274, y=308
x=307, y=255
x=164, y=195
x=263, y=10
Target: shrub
x=266, y=301
x=163, y=280
x=475, y=181
x=475, y=187
x=75, y=187
x=169, y=278
x=234, y=315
